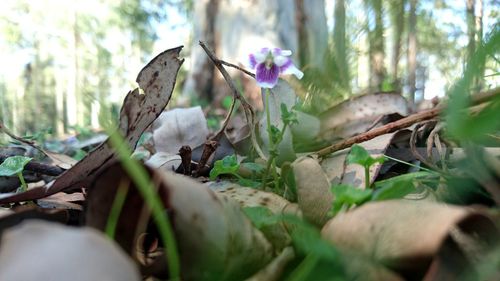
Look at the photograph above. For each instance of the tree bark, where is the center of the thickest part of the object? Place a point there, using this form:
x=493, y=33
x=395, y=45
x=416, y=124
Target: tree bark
x=339, y=39
x=397, y=15
x=412, y=53
x=479, y=38
x=376, y=35
x=315, y=32
x=471, y=28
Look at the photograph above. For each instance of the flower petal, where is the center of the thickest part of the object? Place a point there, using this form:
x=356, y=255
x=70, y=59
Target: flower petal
x=252, y=61
x=289, y=68
x=280, y=52
x=267, y=77
x=281, y=61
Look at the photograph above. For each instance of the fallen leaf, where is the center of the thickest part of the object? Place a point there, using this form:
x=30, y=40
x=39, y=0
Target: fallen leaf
x=358, y=114
x=404, y=235
x=178, y=127
x=214, y=237
x=313, y=190
x=68, y=253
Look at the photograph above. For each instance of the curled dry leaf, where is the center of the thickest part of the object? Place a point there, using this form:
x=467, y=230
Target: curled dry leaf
x=313, y=190
x=357, y=115
x=178, y=127
x=67, y=253
x=214, y=237
x=406, y=235
x=275, y=269
x=157, y=80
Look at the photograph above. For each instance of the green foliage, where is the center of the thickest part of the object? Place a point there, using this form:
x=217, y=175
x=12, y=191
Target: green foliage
x=228, y=165
x=13, y=165
x=397, y=187
x=359, y=155
x=346, y=196
x=460, y=124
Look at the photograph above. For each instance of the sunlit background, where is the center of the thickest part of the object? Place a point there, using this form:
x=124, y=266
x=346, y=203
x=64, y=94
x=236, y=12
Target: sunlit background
x=61, y=61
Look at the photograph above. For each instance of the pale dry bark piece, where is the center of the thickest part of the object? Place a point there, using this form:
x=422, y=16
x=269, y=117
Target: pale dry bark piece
x=37, y=250
x=178, y=127
x=313, y=190
x=358, y=114
x=405, y=235
x=157, y=80
x=165, y=161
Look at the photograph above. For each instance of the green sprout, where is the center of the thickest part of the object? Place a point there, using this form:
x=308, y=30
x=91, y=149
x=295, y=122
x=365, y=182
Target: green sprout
x=14, y=165
x=360, y=156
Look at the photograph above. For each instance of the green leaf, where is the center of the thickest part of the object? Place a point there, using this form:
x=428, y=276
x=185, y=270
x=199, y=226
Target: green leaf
x=394, y=190
x=260, y=216
x=288, y=117
x=359, y=155
x=13, y=165
x=254, y=167
x=349, y=195
x=228, y=165
x=248, y=183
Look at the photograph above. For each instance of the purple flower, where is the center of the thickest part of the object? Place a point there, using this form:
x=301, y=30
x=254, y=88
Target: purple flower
x=269, y=63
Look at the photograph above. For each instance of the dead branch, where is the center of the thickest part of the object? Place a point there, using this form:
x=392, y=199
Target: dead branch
x=402, y=123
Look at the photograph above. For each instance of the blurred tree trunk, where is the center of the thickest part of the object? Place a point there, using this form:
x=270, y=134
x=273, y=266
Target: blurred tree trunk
x=376, y=37
x=471, y=28
x=72, y=74
x=479, y=38
x=397, y=19
x=339, y=39
x=312, y=32
x=233, y=29
x=412, y=52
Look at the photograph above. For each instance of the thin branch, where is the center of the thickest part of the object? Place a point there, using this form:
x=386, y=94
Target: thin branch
x=249, y=113
x=402, y=123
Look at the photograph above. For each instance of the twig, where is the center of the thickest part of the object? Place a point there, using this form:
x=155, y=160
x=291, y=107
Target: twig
x=402, y=123
x=238, y=67
x=249, y=113
x=185, y=153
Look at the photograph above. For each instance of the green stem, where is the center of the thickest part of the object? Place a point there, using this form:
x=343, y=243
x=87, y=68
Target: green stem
x=270, y=161
x=116, y=208
x=367, y=177
x=141, y=179
x=24, y=186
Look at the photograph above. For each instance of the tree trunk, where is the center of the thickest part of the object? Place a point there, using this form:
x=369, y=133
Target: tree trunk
x=471, y=28
x=239, y=28
x=412, y=53
x=397, y=16
x=313, y=33
x=376, y=35
x=479, y=39
x=339, y=39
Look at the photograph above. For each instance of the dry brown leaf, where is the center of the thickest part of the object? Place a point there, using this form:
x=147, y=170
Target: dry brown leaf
x=157, y=80
x=213, y=235
x=404, y=235
x=274, y=269
x=313, y=190
x=178, y=127
x=37, y=250
x=356, y=115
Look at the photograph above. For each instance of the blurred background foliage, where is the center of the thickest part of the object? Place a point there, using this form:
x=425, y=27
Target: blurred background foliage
x=63, y=61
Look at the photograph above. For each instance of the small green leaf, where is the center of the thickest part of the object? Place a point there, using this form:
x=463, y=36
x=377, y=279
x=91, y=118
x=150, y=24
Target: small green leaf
x=248, y=183
x=13, y=165
x=359, y=155
x=260, y=216
x=288, y=117
x=254, y=167
x=228, y=165
x=394, y=190
x=349, y=195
